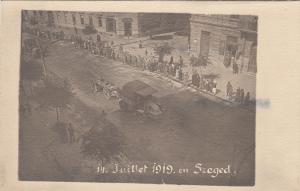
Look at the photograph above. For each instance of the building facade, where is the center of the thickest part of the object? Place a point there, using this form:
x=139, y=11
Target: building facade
x=122, y=24
x=221, y=37
x=115, y=23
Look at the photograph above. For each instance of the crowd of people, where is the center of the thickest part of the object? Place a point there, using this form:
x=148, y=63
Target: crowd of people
x=205, y=84
x=149, y=62
x=170, y=68
x=238, y=95
x=116, y=52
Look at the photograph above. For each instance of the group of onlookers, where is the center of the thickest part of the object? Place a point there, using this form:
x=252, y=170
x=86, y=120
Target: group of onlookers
x=150, y=62
x=147, y=61
x=238, y=96
x=205, y=84
x=101, y=48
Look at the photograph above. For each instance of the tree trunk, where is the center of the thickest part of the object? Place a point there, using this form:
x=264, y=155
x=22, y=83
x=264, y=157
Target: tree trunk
x=57, y=114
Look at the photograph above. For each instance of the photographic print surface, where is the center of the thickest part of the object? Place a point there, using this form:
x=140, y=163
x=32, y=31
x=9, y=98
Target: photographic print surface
x=161, y=98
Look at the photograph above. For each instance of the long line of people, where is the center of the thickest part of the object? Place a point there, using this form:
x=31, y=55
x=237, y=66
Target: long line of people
x=116, y=52
x=171, y=68
x=148, y=62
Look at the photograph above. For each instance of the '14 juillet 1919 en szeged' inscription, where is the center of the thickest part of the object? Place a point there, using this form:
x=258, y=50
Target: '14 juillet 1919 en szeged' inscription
x=167, y=169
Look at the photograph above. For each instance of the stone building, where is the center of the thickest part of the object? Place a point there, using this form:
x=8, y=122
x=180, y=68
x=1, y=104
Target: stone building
x=221, y=37
x=36, y=17
x=115, y=23
x=121, y=24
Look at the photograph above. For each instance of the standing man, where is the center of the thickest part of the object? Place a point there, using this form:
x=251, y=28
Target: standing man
x=67, y=136
x=247, y=99
x=186, y=79
x=75, y=29
x=242, y=96
x=180, y=61
x=171, y=61
x=180, y=74
x=238, y=95
x=71, y=133
x=98, y=37
x=229, y=90
x=195, y=79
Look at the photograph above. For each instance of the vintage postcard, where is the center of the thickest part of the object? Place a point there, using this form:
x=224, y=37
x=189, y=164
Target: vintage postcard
x=137, y=97
x=145, y=97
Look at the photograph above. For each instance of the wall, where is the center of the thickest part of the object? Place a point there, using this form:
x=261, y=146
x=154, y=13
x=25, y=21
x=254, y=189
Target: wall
x=155, y=23
x=117, y=16
x=220, y=27
x=217, y=40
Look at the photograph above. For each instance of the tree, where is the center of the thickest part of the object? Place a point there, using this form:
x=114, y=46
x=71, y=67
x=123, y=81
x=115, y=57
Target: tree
x=54, y=96
x=162, y=50
x=104, y=143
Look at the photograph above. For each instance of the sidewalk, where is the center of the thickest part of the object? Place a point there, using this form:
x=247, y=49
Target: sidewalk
x=180, y=45
x=243, y=80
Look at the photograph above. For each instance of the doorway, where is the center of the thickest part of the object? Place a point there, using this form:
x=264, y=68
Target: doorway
x=231, y=49
x=204, y=44
x=50, y=19
x=110, y=25
x=127, y=28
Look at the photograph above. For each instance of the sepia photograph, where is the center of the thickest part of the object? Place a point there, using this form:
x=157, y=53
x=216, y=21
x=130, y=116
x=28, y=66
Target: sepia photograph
x=137, y=97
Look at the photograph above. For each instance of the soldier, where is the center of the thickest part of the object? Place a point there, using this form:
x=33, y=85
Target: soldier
x=186, y=78
x=247, y=99
x=98, y=37
x=214, y=86
x=171, y=60
x=180, y=61
x=180, y=75
x=195, y=78
x=113, y=55
x=49, y=35
x=238, y=94
x=242, y=96
x=121, y=48
x=229, y=90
